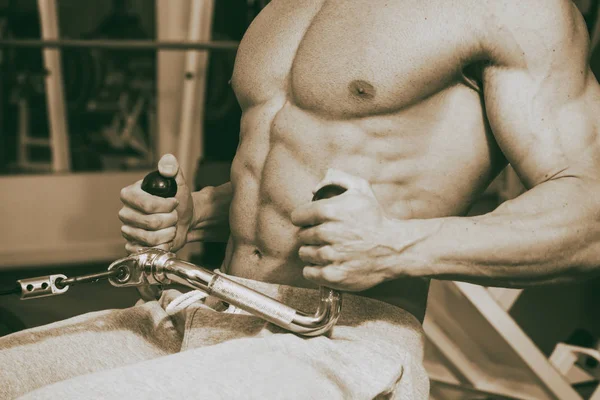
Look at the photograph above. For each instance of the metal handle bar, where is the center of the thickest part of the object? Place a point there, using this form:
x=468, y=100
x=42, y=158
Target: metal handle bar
x=221, y=45
x=156, y=267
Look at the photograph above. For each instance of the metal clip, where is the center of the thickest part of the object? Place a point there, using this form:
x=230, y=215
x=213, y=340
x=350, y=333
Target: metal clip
x=138, y=271
x=41, y=286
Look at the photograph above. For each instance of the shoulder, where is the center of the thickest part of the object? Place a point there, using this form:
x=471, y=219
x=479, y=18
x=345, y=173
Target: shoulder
x=533, y=33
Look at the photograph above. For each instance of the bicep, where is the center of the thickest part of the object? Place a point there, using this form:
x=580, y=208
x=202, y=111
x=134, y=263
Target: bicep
x=543, y=106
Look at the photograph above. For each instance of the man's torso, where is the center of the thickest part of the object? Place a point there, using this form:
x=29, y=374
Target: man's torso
x=373, y=88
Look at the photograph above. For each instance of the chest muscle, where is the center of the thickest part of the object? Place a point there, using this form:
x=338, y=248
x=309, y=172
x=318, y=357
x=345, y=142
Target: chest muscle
x=352, y=58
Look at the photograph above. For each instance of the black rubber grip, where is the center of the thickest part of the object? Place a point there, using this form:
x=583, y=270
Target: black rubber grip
x=156, y=184
x=328, y=191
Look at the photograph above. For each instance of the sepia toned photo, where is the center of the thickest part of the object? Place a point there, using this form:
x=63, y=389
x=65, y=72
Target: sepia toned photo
x=300, y=199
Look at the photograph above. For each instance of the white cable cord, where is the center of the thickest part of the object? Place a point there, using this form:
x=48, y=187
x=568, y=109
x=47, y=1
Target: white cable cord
x=235, y=310
x=185, y=300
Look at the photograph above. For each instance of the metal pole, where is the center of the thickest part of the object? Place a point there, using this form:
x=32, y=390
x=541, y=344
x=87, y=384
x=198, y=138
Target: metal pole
x=55, y=99
x=195, y=74
x=191, y=125
x=122, y=44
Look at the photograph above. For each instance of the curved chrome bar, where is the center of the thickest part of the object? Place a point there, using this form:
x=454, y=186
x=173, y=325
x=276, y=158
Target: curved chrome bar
x=155, y=267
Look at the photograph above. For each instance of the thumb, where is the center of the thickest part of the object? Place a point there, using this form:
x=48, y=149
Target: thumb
x=168, y=166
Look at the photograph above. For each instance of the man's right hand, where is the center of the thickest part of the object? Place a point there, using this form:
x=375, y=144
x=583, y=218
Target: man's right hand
x=152, y=221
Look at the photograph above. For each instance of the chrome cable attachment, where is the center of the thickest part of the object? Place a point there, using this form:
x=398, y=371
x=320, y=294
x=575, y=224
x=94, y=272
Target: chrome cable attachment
x=156, y=267
x=53, y=285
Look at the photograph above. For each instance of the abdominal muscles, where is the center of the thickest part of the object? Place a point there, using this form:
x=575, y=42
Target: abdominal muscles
x=419, y=166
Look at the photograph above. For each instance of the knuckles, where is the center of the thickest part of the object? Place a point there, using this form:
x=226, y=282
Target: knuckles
x=156, y=222
x=123, y=215
x=326, y=254
x=321, y=232
x=303, y=254
x=147, y=221
x=323, y=255
x=132, y=248
x=333, y=275
x=153, y=223
x=132, y=197
x=146, y=205
x=124, y=194
x=149, y=238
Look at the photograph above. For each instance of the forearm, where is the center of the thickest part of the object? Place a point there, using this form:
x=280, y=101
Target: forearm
x=211, y=214
x=549, y=234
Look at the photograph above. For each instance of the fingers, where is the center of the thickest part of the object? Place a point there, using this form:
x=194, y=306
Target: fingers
x=148, y=238
x=329, y=276
x=358, y=193
x=150, y=222
x=321, y=234
x=132, y=247
x=318, y=255
x=133, y=196
x=315, y=213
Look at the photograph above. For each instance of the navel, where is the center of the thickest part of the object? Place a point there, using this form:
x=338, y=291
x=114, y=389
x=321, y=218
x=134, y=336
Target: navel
x=362, y=89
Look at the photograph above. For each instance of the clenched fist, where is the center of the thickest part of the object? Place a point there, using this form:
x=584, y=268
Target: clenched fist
x=152, y=221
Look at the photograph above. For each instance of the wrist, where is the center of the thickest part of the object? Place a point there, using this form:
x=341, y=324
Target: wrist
x=211, y=213
x=200, y=199
x=409, y=240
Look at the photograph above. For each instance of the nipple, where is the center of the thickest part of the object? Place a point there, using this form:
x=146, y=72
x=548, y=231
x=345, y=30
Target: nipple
x=362, y=89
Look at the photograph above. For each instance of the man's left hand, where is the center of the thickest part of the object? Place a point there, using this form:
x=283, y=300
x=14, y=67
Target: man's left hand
x=346, y=240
